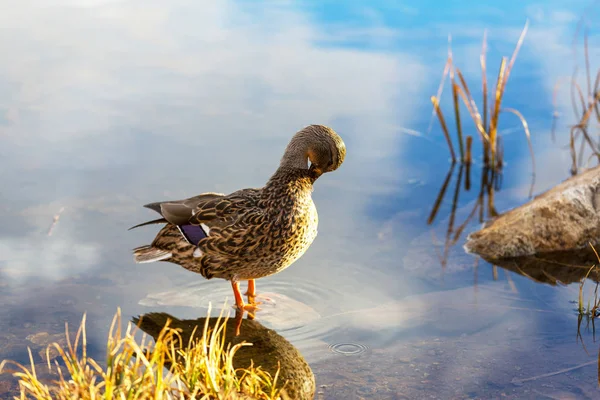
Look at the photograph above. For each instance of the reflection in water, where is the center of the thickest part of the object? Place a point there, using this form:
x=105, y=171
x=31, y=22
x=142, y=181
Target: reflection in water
x=269, y=350
x=491, y=182
x=113, y=84
x=561, y=267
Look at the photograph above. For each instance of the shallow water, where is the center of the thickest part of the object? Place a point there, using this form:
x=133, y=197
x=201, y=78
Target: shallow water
x=108, y=105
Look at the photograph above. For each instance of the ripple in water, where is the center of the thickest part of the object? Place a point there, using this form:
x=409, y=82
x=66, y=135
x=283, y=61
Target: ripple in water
x=348, y=349
x=287, y=305
x=299, y=308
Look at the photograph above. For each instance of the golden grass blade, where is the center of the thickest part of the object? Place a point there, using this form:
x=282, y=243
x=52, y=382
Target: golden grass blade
x=436, y=106
x=595, y=252
x=457, y=117
x=134, y=373
x=515, y=52
x=471, y=106
x=456, y=104
x=527, y=133
x=440, y=90
x=496, y=110
x=503, y=75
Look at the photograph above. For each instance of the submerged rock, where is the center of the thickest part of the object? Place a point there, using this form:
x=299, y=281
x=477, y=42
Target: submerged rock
x=269, y=350
x=566, y=217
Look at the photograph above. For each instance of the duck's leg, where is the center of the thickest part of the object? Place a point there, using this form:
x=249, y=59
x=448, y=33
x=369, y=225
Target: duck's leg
x=239, y=301
x=251, y=292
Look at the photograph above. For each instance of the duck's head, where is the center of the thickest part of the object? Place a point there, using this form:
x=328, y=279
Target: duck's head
x=317, y=144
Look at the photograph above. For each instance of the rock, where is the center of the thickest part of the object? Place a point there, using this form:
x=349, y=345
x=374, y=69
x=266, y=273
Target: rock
x=5, y=386
x=269, y=350
x=565, y=217
x=45, y=340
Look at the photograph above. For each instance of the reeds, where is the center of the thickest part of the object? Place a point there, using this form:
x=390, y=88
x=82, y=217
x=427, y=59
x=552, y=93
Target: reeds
x=486, y=125
x=137, y=370
x=586, y=108
x=592, y=310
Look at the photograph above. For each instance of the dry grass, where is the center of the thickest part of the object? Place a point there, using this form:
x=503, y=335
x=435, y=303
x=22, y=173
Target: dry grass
x=586, y=108
x=487, y=124
x=592, y=310
x=138, y=370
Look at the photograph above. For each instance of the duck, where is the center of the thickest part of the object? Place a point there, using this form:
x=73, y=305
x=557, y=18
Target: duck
x=250, y=233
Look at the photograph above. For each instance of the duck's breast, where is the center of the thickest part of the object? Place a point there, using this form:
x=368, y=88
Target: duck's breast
x=302, y=233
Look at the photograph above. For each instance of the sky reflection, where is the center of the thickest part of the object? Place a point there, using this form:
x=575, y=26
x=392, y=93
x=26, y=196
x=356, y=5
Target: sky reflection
x=108, y=105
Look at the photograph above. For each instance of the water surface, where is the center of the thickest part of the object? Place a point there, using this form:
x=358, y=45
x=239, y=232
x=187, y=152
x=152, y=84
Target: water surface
x=108, y=105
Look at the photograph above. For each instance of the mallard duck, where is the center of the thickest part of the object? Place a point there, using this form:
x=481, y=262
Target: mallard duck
x=250, y=233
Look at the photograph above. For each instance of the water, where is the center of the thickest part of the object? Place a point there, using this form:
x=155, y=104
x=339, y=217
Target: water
x=109, y=105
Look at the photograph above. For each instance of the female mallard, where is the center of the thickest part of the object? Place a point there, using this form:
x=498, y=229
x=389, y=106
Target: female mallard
x=250, y=233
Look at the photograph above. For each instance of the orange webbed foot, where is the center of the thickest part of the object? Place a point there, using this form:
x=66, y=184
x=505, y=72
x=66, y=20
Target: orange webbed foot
x=252, y=296
x=242, y=307
x=250, y=308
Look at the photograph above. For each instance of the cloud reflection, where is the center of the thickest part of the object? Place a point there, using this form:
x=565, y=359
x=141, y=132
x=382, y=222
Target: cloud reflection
x=109, y=103
x=120, y=103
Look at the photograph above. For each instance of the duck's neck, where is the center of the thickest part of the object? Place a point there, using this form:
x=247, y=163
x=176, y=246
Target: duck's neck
x=293, y=178
x=288, y=181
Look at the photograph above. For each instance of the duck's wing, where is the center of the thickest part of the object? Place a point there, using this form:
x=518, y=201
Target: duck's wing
x=211, y=209
x=178, y=212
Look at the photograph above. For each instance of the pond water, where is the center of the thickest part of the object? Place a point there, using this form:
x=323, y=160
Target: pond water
x=107, y=105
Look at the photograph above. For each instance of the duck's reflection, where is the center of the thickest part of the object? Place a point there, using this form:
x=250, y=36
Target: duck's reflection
x=269, y=351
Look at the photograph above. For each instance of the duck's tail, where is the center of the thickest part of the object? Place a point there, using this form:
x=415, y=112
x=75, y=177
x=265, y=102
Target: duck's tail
x=154, y=221
x=147, y=254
